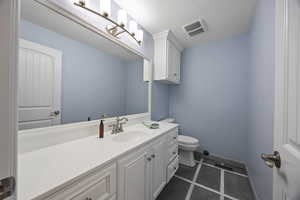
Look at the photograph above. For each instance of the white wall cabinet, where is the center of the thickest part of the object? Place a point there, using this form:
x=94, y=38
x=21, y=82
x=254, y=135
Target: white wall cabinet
x=167, y=57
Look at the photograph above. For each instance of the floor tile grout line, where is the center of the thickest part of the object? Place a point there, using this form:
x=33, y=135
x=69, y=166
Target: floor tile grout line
x=204, y=187
x=198, y=170
x=236, y=173
x=197, y=184
x=222, y=184
x=230, y=197
x=210, y=165
x=190, y=191
x=183, y=179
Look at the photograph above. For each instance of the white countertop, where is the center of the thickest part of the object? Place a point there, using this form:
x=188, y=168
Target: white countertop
x=44, y=170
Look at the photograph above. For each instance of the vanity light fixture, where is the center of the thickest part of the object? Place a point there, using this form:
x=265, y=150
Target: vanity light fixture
x=82, y=2
x=122, y=17
x=133, y=27
x=105, y=7
x=117, y=27
x=140, y=35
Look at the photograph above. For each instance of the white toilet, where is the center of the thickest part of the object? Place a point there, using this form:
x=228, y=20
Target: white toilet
x=187, y=146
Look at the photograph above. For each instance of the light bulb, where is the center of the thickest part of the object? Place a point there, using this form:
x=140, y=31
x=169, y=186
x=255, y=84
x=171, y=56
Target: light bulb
x=105, y=7
x=122, y=17
x=133, y=27
x=140, y=35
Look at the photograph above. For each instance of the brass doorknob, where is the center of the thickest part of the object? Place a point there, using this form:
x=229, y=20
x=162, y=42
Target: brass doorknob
x=272, y=160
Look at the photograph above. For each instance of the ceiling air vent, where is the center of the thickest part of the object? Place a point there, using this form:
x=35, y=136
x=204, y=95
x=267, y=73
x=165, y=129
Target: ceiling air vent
x=195, y=28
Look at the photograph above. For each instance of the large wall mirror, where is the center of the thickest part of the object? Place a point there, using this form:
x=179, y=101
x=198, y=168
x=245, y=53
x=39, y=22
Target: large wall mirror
x=68, y=73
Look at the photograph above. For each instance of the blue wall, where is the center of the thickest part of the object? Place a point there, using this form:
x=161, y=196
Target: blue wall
x=211, y=101
x=136, y=89
x=261, y=96
x=94, y=83
x=160, y=101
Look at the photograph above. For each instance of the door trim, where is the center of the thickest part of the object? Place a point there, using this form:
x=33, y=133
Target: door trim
x=9, y=43
x=283, y=51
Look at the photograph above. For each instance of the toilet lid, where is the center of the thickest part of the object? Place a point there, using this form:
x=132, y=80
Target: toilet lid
x=183, y=139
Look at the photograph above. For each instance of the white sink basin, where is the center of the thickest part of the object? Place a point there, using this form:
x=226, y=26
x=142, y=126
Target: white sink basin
x=128, y=136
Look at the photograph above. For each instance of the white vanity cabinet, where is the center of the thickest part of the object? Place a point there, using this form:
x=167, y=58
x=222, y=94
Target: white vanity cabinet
x=134, y=176
x=99, y=185
x=158, y=172
x=143, y=174
x=139, y=174
x=167, y=57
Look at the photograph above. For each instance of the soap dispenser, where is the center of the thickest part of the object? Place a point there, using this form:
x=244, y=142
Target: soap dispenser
x=101, y=129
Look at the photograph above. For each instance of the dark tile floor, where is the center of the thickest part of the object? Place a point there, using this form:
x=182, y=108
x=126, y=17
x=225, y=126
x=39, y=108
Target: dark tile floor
x=209, y=177
x=205, y=181
x=213, y=160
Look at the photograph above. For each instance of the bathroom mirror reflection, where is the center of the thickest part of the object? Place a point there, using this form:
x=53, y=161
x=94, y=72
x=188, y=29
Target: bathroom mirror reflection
x=73, y=75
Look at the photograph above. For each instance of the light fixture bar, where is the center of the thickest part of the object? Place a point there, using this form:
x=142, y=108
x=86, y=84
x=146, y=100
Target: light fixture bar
x=111, y=31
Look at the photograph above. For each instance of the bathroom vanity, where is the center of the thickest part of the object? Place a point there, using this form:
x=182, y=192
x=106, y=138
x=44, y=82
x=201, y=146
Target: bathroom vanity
x=132, y=165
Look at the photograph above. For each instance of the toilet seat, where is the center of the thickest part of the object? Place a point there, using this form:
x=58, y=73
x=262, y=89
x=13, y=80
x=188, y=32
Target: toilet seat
x=187, y=140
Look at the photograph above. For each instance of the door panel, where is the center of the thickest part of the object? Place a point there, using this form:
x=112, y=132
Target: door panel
x=8, y=84
x=287, y=101
x=39, y=85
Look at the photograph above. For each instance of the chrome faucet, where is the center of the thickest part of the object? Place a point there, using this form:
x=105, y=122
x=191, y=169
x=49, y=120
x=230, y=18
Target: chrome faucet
x=117, y=127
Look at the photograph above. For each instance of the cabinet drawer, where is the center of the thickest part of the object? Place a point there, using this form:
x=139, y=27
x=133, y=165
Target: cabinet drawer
x=172, y=168
x=173, y=136
x=97, y=186
x=172, y=152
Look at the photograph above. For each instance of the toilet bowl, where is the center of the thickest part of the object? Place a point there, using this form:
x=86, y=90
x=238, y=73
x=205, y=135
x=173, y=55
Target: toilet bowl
x=187, y=146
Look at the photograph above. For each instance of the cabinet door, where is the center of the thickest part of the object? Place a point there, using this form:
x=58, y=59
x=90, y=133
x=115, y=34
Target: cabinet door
x=177, y=66
x=158, y=167
x=171, y=61
x=134, y=176
x=100, y=185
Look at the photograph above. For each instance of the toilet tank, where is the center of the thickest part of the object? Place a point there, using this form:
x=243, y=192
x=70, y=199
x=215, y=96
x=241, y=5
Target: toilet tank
x=168, y=120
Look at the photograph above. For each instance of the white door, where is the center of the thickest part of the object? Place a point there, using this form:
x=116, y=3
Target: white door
x=134, y=176
x=287, y=103
x=158, y=168
x=8, y=92
x=39, y=99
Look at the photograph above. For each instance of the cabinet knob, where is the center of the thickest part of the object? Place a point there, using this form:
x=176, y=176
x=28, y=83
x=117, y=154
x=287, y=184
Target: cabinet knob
x=174, y=137
x=175, y=74
x=149, y=159
x=55, y=113
x=174, y=168
x=153, y=155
